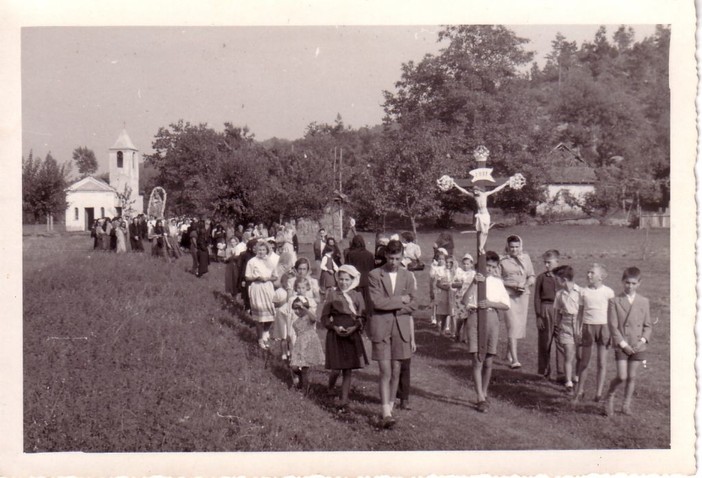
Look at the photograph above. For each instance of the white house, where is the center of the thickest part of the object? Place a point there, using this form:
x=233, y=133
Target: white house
x=90, y=198
x=567, y=172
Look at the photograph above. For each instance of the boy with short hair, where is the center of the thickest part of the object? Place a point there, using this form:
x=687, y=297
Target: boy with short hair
x=545, y=289
x=566, y=306
x=393, y=291
x=595, y=331
x=496, y=299
x=629, y=321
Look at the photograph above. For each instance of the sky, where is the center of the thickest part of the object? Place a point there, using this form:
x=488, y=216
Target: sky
x=82, y=85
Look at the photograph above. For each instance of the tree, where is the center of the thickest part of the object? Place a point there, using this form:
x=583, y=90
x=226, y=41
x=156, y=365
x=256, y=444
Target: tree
x=405, y=173
x=125, y=200
x=44, y=187
x=85, y=160
x=472, y=93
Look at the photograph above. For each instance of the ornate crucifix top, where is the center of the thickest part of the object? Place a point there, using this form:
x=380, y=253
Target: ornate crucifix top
x=481, y=177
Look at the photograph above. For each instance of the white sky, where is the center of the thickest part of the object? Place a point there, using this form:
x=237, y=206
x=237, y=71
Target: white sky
x=81, y=85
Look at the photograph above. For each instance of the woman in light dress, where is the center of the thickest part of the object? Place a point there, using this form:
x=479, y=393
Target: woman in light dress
x=260, y=277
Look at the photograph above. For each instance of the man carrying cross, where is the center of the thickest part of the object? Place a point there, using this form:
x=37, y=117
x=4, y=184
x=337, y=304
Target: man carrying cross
x=496, y=298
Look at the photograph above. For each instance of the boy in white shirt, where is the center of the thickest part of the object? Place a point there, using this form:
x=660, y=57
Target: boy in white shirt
x=496, y=299
x=595, y=331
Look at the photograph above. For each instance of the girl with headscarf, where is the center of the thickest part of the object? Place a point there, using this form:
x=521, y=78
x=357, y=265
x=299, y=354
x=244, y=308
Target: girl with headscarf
x=518, y=276
x=343, y=314
x=260, y=277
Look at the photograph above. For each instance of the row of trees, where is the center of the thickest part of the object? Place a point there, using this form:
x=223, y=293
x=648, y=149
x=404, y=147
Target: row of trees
x=609, y=101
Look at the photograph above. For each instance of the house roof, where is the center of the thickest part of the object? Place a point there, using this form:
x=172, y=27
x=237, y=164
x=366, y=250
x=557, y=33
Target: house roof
x=124, y=142
x=90, y=184
x=572, y=175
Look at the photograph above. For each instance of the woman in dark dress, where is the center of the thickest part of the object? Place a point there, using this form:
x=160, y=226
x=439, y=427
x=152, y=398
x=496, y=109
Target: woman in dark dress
x=203, y=254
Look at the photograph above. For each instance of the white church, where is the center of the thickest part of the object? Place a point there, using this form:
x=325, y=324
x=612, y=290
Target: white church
x=90, y=198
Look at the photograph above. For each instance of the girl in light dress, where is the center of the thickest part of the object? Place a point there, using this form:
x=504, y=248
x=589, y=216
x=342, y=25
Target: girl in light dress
x=260, y=277
x=442, y=287
x=305, y=344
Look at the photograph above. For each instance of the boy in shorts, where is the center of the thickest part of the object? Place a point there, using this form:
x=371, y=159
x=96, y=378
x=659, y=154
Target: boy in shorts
x=391, y=329
x=630, y=324
x=595, y=331
x=496, y=299
x=566, y=306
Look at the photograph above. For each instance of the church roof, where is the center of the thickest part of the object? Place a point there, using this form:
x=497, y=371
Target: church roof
x=90, y=184
x=124, y=142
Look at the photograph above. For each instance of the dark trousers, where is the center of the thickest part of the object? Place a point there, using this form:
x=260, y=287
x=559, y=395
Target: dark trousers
x=203, y=260
x=403, y=389
x=546, y=338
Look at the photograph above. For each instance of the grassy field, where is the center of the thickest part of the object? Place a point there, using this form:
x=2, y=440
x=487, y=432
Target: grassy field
x=129, y=353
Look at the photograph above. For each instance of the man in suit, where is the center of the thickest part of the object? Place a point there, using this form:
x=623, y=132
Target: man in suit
x=393, y=292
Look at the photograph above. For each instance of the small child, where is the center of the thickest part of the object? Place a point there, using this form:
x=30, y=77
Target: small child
x=343, y=315
x=545, y=289
x=565, y=312
x=593, y=317
x=466, y=275
x=306, y=347
x=629, y=321
x=440, y=279
x=496, y=299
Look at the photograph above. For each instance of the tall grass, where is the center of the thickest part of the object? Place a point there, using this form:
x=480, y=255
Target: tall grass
x=129, y=353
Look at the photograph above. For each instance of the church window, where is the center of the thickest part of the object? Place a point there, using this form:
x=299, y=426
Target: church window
x=102, y=212
x=75, y=213
x=120, y=159
x=133, y=161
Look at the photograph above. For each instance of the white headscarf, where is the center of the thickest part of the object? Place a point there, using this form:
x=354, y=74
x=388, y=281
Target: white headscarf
x=355, y=280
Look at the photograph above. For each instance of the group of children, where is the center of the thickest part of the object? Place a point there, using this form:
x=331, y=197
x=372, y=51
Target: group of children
x=580, y=320
x=573, y=320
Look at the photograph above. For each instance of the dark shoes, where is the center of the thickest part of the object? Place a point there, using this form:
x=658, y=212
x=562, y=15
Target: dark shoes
x=482, y=406
x=404, y=405
x=387, y=422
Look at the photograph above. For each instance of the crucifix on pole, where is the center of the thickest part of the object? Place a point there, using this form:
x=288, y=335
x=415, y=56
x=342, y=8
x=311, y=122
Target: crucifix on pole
x=482, y=178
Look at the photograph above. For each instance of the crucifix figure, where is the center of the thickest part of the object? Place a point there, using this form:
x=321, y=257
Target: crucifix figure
x=482, y=177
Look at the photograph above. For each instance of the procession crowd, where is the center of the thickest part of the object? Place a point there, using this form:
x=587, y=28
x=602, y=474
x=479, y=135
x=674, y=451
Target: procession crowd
x=374, y=294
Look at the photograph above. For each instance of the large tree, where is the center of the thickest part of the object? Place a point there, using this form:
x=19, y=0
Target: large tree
x=473, y=93
x=85, y=160
x=44, y=187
